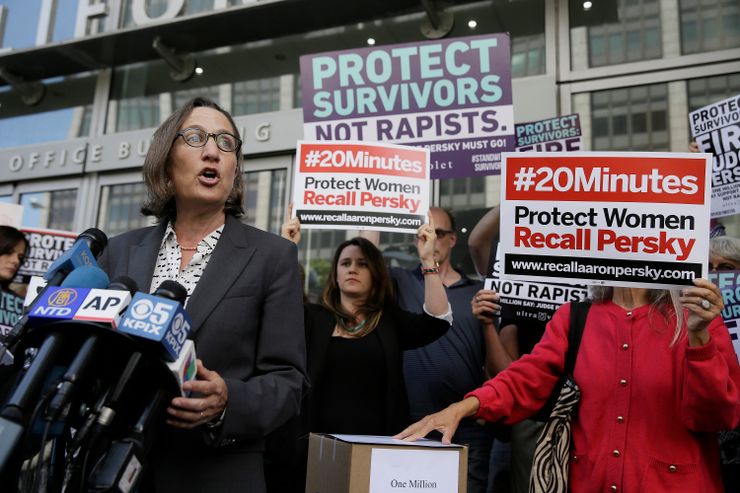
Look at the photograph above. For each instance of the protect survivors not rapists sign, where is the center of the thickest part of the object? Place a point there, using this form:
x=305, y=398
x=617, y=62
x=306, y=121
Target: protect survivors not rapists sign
x=340, y=185
x=452, y=97
x=622, y=219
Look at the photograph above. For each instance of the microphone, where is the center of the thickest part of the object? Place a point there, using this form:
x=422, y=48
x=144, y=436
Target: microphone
x=160, y=319
x=35, y=285
x=107, y=305
x=62, y=302
x=184, y=367
x=88, y=246
x=121, y=467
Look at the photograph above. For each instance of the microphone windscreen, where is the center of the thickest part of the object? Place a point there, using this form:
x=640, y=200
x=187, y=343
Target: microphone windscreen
x=87, y=276
x=172, y=290
x=96, y=240
x=124, y=283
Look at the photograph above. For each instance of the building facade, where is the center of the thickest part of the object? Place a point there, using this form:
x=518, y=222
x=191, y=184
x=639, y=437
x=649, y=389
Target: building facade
x=84, y=82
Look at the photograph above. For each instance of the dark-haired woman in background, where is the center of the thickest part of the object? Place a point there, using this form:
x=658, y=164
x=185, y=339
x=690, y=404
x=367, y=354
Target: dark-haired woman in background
x=244, y=299
x=356, y=338
x=13, y=246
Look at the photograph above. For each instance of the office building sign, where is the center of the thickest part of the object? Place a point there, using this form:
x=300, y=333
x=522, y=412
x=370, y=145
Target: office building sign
x=263, y=133
x=452, y=97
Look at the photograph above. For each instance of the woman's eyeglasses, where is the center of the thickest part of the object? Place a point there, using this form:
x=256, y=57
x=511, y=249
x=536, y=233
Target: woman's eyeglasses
x=197, y=137
x=441, y=233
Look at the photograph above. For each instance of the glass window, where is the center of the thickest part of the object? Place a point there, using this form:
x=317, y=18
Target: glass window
x=708, y=25
x=527, y=55
x=64, y=113
x=708, y=90
x=619, y=31
x=632, y=119
x=265, y=198
x=21, y=23
x=53, y=210
x=256, y=96
x=120, y=208
x=248, y=78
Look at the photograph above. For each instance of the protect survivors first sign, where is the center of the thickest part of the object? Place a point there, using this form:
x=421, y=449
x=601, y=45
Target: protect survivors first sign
x=621, y=219
x=716, y=129
x=340, y=185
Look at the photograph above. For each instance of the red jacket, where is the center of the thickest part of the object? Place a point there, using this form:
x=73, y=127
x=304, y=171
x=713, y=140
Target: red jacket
x=648, y=412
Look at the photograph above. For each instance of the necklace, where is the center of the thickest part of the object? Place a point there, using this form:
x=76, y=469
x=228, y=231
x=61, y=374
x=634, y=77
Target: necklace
x=354, y=329
x=189, y=249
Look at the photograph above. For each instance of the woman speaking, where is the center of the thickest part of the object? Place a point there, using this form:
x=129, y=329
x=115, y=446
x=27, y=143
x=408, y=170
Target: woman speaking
x=244, y=299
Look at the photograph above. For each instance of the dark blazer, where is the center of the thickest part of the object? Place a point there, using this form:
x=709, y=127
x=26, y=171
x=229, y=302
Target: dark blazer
x=247, y=315
x=398, y=330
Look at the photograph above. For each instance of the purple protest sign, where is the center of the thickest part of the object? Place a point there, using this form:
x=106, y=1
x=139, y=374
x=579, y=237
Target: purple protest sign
x=562, y=133
x=452, y=97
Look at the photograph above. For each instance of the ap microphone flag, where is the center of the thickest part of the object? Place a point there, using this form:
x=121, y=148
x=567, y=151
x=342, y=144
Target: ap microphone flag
x=103, y=305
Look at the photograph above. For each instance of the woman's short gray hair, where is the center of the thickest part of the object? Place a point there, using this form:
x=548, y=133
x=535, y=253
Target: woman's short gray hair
x=725, y=246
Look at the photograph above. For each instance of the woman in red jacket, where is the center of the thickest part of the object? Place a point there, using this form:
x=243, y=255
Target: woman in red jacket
x=658, y=379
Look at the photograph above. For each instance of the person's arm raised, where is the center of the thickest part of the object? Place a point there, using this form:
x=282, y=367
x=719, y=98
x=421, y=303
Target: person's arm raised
x=435, y=296
x=291, y=228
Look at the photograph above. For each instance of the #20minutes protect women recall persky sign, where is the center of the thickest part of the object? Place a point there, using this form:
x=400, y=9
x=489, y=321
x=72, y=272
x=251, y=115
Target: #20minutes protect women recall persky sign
x=620, y=219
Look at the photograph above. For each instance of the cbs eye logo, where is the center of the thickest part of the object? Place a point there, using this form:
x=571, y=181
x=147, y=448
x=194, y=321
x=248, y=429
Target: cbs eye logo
x=142, y=309
x=156, y=313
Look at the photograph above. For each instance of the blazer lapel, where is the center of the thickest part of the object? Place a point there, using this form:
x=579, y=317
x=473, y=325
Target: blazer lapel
x=228, y=260
x=142, y=258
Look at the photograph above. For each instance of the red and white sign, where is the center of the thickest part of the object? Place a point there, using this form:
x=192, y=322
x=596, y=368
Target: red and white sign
x=355, y=185
x=620, y=219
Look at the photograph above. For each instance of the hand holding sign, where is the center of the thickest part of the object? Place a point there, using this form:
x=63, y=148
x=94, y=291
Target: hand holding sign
x=485, y=305
x=291, y=228
x=704, y=303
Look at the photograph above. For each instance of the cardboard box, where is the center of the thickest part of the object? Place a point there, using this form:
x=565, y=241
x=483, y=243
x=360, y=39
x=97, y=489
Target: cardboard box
x=371, y=464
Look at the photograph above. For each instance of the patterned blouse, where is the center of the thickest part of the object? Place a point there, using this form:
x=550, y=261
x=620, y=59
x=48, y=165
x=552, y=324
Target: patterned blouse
x=170, y=255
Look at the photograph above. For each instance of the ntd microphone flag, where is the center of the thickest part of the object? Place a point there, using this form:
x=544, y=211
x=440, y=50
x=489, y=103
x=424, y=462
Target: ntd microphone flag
x=159, y=320
x=104, y=305
x=57, y=303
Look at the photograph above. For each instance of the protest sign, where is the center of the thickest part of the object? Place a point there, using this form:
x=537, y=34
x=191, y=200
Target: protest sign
x=531, y=300
x=620, y=219
x=44, y=246
x=562, y=133
x=452, y=97
x=728, y=283
x=716, y=129
x=340, y=185
x=11, y=309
